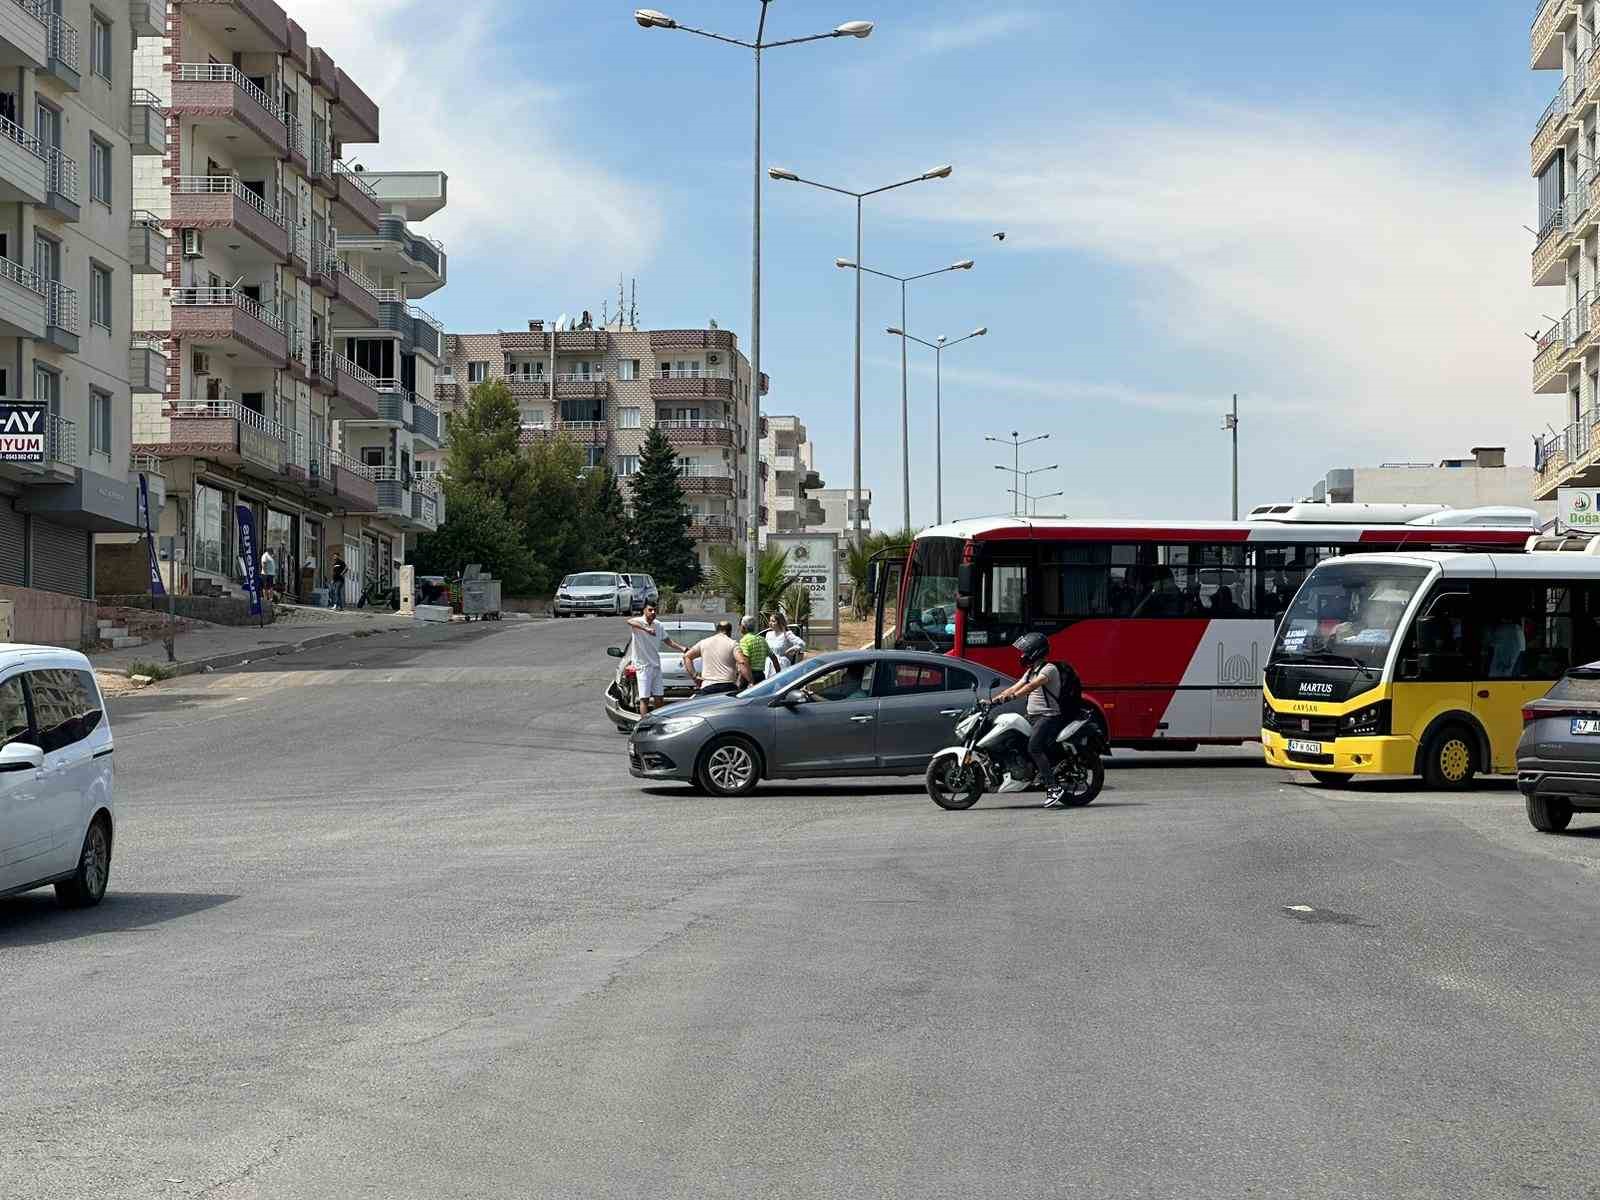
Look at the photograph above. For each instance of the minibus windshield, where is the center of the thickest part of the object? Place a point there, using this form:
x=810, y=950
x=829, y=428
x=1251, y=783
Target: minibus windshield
x=1347, y=614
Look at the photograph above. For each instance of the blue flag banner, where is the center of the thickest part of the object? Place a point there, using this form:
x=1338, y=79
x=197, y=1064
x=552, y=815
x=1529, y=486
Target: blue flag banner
x=156, y=587
x=248, y=555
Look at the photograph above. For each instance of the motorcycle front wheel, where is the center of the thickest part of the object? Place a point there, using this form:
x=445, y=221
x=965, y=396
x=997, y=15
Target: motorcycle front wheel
x=1081, y=781
x=952, y=786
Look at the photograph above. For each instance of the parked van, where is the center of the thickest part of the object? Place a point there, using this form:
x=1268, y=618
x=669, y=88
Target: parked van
x=57, y=812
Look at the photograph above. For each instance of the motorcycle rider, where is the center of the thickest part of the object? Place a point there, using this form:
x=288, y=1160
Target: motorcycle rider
x=1053, y=697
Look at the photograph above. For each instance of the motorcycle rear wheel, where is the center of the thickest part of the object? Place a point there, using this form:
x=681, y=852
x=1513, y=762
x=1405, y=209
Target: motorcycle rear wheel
x=952, y=786
x=1080, y=785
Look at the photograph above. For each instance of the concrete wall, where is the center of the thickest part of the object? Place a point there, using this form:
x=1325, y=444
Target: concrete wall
x=1459, y=487
x=218, y=610
x=51, y=619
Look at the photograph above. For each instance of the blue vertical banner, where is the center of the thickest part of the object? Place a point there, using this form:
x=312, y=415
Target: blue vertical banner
x=249, y=556
x=156, y=587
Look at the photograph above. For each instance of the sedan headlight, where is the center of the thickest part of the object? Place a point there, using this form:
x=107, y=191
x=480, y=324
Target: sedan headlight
x=673, y=726
x=1371, y=721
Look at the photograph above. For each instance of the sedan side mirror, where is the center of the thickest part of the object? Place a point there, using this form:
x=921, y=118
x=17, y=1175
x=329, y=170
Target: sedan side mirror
x=21, y=756
x=615, y=651
x=792, y=699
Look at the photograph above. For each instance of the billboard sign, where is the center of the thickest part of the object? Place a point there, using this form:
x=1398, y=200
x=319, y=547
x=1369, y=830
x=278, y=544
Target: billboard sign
x=1579, y=509
x=22, y=431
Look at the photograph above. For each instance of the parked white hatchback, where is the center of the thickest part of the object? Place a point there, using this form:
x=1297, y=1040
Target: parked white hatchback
x=57, y=813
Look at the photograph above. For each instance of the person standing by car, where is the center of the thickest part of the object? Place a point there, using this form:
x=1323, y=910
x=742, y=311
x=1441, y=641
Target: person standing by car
x=648, y=638
x=719, y=661
x=754, y=654
x=785, y=645
x=1053, y=696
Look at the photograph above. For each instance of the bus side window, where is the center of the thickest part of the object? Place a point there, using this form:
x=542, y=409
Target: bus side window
x=1438, y=649
x=999, y=611
x=1525, y=629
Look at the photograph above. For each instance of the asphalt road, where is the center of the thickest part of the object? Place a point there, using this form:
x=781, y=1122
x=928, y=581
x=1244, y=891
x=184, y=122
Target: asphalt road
x=391, y=920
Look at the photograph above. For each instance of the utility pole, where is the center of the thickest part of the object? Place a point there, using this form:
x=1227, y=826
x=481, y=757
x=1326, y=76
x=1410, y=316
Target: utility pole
x=1230, y=424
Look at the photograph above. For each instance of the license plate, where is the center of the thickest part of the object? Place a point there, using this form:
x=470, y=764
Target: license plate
x=1299, y=747
x=1586, y=726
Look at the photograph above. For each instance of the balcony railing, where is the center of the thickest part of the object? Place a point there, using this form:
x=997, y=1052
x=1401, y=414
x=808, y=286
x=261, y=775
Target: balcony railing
x=345, y=366
x=574, y=377
x=350, y=463
x=1566, y=95
x=226, y=73
x=63, y=41
x=61, y=306
x=227, y=185
x=704, y=471
x=11, y=131
x=297, y=136
x=227, y=297
x=37, y=9
x=695, y=373
x=232, y=410
x=344, y=267
x=344, y=172
x=20, y=275
x=695, y=424
x=63, y=174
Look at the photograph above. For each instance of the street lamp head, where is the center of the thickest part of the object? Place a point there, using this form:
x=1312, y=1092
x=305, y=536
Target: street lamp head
x=780, y=173
x=940, y=339
x=844, y=264
x=896, y=332
x=855, y=29
x=939, y=172
x=964, y=265
x=649, y=18
x=981, y=331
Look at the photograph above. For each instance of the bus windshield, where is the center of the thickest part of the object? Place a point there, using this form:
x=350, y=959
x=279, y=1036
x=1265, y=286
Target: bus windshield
x=930, y=617
x=1347, y=614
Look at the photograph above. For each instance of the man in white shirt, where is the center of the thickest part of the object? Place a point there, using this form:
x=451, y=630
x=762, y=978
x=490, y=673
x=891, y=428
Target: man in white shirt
x=648, y=638
x=269, y=574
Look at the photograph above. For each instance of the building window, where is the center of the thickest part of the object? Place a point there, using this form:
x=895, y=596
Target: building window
x=534, y=417
x=627, y=464
x=597, y=456
x=100, y=46
x=630, y=418
x=100, y=421
x=99, y=170
x=100, y=295
x=628, y=368
x=477, y=372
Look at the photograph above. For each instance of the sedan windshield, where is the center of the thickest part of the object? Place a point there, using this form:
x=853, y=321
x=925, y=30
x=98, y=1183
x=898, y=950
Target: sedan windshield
x=1347, y=614
x=591, y=580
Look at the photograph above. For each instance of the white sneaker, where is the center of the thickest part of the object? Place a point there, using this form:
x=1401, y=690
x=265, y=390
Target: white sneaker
x=1053, y=797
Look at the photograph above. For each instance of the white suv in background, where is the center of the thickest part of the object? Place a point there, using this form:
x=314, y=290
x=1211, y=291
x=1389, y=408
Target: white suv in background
x=57, y=812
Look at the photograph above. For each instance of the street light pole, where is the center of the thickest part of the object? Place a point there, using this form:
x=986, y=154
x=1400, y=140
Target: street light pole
x=938, y=347
x=787, y=176
x=1016, y=441
x=649, y=18
x=1230, y=423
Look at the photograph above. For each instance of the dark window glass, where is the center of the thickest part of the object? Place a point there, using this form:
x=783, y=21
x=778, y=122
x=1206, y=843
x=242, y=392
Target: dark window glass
x=66, y=707
x=957, y=680
x=13, y=713
x=1440, y=645
x=1525, y=629
x=913, y=679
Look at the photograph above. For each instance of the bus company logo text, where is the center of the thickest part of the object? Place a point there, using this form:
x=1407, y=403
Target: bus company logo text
x=1239, y=670
x=1580, y=503
x=1316, y=689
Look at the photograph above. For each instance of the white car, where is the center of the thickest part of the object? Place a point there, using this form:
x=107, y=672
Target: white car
x=594, y=592
x=677, y=682
x=57, y=812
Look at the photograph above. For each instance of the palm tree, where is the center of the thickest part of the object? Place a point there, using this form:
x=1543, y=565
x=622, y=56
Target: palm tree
x=773, y=577
x=857, y=559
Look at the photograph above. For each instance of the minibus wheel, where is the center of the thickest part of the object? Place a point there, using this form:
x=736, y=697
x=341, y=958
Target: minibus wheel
x=1450, y=759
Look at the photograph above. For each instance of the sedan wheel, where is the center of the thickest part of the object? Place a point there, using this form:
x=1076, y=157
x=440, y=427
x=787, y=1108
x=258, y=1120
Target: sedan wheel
x=728, y=767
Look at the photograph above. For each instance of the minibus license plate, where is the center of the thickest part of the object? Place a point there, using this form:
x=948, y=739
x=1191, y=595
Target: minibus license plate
x=1313, y=747
x=1586, y=725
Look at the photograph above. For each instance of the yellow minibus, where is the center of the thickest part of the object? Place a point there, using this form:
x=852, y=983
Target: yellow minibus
x=1419, y=664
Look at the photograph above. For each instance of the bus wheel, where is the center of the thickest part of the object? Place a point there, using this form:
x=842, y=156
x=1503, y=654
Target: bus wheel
x=1451, y=759
x=1331, y=779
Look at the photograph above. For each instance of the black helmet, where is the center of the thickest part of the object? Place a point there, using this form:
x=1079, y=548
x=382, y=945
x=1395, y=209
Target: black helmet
x=1034, y=648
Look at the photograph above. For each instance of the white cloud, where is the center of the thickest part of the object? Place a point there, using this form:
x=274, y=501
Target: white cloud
x=1369, y=273
x=452, y=99
x=973, y=31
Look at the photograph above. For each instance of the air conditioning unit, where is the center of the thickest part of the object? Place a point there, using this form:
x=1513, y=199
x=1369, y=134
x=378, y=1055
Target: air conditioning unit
x=713, y=358
x=201, y=363
x=194, y=245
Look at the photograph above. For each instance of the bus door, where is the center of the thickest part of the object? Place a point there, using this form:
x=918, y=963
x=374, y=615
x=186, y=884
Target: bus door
x=886, y=575
x=1525, y=637
x=999, y=612
x=1436, y=667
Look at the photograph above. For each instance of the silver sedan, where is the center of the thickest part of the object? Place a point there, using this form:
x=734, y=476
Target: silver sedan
x=875, y=712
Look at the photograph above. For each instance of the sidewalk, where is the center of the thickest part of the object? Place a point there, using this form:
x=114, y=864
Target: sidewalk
x=219, y=646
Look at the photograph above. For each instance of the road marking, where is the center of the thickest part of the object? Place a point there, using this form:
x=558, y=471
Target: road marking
x=1298, y=908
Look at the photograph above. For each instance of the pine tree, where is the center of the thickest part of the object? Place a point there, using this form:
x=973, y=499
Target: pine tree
x=661, y=518
x=484, y=454
x=552, y=515
x=608, y=527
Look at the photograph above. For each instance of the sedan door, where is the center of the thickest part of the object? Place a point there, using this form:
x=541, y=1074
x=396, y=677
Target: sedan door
x=24, y=815
x=916, y=713
x=828, y=729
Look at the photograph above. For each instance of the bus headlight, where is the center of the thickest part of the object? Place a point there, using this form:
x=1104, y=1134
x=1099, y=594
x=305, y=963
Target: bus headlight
x=1269, y=718
x=1371, y=721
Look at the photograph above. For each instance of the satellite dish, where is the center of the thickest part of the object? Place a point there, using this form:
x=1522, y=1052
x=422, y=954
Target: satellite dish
x=562, y=322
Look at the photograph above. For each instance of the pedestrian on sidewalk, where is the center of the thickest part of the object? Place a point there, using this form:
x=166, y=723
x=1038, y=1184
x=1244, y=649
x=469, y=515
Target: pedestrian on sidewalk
x=648, y=638
x=719, y=659
x=339, y=570
x=269, y=574
x=755, y=656
x=784, y=643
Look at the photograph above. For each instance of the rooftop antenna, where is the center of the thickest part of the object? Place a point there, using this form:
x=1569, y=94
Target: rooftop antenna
x=633, y=308
x=622, y=303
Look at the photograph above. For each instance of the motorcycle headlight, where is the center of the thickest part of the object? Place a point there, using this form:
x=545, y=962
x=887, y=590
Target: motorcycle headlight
x=964, y=727
x=1370, y=721
x=673, y=726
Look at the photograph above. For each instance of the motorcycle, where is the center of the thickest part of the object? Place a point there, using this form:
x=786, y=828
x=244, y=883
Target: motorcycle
x=993, y=756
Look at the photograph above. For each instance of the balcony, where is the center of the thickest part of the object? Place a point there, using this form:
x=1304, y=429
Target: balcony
x=22, y=300
x=1570, y=458
x=691, y=339
x=714, y=529
x=24, y=34
x=394, y=403
x=1554, y=124
x=353, y=481
x=299, y=144
x=400, y=252
x=224, y=202
x=61, y=324
x=147, y=244
x=24, y=164
x=784, y=462
x=1551, y=20
x=425, y=421
x=355, y=295
x=427, y=334
x=239, y=26
x=394, y=493
x=1550, y=356
x=698, y=433
x=232, y=322
x=355, y=392
x=425, y=503
x=147, y=366
x=714, y=385
x=705, y=479
x=525, y=387
x=1554, y=241
x=60, y=455
x=355, y=116
x=355, y=205
x=61, y=184
x=63, y=54
x=221, y=94
x=576, y=386
x=147, y=122
x=148, y=17
x=227, y=432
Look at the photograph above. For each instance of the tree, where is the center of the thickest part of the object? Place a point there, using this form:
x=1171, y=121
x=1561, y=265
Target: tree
x=773, y=577
x=485, y=455
x=477, y=529
x=857, y=559
x=607, y=525
x=661, y=518
x=551, y=513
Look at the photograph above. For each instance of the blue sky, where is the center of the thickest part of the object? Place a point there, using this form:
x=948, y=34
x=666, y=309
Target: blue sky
x=1319, y=207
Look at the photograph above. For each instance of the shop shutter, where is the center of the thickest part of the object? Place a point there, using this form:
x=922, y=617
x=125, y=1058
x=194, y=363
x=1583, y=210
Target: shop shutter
x=60, y=559
x=13, y=544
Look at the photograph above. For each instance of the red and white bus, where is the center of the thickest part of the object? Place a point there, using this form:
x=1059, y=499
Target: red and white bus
x=1167, y=623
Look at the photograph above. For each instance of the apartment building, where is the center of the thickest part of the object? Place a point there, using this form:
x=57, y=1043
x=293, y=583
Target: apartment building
x=289, y=372
x=605, y=388
x=1482, y=480
x=839, y=510
x=791, y=477
x=71, y=129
